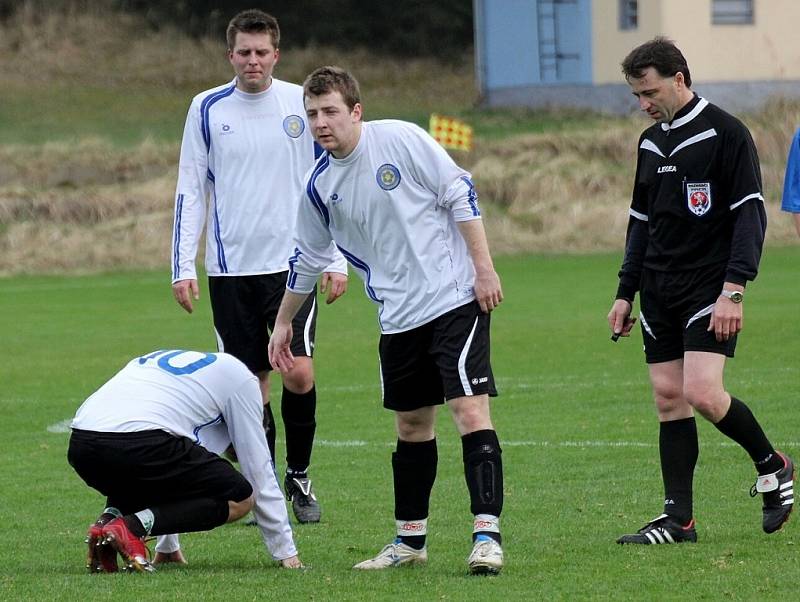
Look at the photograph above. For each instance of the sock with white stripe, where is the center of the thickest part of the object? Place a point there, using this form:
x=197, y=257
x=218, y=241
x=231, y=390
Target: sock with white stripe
x=678, y=448
x=740, y=425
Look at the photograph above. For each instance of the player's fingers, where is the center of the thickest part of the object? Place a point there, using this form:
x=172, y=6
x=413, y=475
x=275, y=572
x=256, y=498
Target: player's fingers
x=184, y=301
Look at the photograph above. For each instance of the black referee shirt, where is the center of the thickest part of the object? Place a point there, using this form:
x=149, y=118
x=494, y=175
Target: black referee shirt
x=697, y=198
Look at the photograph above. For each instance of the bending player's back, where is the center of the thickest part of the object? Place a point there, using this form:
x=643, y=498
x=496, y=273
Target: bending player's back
x=172, y=390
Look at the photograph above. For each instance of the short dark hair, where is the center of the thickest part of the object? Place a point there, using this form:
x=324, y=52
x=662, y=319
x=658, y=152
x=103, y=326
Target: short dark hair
x=253, y=21
x=333, y=79
x=659, y=53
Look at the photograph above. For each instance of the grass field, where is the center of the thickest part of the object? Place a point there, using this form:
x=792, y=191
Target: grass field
x=574, y=418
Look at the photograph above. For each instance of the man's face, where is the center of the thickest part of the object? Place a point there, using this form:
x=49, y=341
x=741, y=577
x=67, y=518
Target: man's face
x=253, y=58
x=334, y=126
x=659, y=97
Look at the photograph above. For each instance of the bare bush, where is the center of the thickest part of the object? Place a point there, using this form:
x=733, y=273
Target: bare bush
x=91, y=206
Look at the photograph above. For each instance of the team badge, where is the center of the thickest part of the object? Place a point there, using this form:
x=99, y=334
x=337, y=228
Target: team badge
x=388, y=176
x=294, y=126
x=698, y=197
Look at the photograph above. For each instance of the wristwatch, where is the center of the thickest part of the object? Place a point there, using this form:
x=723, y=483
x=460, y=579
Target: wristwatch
x=735, y=296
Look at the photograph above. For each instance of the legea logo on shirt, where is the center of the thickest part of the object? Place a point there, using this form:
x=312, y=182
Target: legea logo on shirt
x=334, y=199
x=225, y=129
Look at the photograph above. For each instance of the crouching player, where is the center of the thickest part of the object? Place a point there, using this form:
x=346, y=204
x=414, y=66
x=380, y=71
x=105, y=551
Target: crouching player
x=149, y=440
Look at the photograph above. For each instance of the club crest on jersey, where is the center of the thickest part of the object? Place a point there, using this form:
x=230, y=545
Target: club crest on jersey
x=698, y=197
x=388, y=176
x=294, y=126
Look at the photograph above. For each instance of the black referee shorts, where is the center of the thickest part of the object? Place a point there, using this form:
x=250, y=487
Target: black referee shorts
x=245, y=308
x=148, y=468
x=676, y=311
x=441, y=360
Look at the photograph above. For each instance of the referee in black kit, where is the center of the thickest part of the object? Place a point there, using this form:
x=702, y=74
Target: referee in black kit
x=694, y=240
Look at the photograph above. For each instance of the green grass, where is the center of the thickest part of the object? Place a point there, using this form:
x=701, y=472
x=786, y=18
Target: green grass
x=62, y=112
x=125, y=116
x=574, y=418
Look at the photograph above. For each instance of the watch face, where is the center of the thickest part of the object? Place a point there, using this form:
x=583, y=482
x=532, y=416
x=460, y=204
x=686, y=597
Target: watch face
x=737, y=297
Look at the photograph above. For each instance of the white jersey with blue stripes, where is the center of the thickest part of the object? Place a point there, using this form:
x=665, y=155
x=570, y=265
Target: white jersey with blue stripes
x=392, y=207
x=242, y=162
x=211, y=398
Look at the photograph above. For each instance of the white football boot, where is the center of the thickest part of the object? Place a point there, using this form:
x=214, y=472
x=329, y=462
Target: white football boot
x=486, y=557
x=394, y=554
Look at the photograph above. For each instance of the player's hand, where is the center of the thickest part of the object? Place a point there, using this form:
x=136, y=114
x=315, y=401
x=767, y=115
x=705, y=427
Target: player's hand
x=280, y=353
x=488, y=291
x=727, y=319
x=335, y=284
x=184, y=291
x=293, y=562
x=619, y=318
x=175, y=557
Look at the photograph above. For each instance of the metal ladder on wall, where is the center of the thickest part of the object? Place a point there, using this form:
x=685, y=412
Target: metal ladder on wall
x=550, y=53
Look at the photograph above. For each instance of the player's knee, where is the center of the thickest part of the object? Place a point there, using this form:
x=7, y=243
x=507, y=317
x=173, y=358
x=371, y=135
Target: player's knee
x=702, y=393
x=668, y=398
x=300, y=379
x=416, y=425
x=471, y=414
x=237, y=510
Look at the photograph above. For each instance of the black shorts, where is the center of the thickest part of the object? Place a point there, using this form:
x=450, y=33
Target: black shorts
x=245, y=308
x=676, y=311
x=441, y=360
x=148, y=468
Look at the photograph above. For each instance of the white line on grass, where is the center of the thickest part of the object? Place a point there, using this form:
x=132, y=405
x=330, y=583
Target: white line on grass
x=63, y=427
x=60, y=427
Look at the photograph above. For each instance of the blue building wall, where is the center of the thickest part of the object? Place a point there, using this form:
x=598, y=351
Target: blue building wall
x=533, y=42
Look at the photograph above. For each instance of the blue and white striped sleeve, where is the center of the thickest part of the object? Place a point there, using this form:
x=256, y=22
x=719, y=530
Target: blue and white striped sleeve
x=314, y=249
x=190, y=198
x=434, y=169
x=462, y=200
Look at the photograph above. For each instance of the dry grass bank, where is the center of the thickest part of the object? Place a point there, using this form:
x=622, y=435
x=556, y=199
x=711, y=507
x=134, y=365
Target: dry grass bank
x=93, y=206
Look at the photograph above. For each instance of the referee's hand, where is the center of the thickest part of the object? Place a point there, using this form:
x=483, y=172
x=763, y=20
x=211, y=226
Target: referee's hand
x=619, y=319
x=727, y=319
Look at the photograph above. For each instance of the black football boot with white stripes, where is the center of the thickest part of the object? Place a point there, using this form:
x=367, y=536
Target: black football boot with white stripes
x=778, y=491
x=662, y=529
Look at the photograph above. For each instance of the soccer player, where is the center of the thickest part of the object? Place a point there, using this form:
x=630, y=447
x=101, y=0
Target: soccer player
x=149, y=440
x=791, y=182
x=244, y=152
x=695, y=234
x=406, y=217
